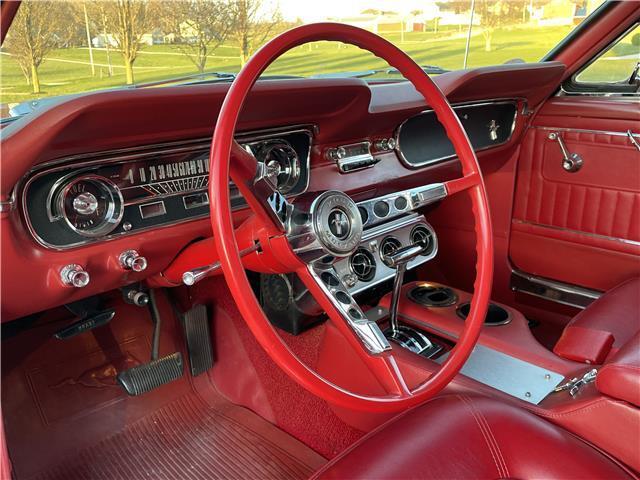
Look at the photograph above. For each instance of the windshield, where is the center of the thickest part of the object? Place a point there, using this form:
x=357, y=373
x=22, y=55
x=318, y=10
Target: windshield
x=58, y=48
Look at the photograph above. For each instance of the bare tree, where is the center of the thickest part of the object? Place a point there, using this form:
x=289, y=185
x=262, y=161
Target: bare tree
x=253, y=24
x=38, y=28
x=494, y=14
x=202, y=25
x=128, y=21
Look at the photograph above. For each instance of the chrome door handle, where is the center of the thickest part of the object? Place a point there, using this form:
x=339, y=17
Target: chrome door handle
x=571, y=162
x=633, y=140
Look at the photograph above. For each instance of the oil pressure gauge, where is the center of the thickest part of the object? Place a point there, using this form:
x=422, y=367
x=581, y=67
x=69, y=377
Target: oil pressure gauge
x=91, y=205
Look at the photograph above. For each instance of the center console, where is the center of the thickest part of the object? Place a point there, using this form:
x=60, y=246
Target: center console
x=507, y=356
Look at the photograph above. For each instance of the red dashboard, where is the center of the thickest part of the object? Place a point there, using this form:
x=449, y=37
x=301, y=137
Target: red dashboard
x=335, y=112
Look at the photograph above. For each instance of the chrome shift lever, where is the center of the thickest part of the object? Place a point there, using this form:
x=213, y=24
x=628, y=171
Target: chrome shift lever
x=399, y=260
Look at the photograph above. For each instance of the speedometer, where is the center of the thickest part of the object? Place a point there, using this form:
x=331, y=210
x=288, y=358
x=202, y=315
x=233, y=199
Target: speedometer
x=280, y=156
x=91, y=205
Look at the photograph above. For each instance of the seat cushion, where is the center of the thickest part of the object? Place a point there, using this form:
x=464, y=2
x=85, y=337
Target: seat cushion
x=620, y=376
x=458, y=436
x=603, y=327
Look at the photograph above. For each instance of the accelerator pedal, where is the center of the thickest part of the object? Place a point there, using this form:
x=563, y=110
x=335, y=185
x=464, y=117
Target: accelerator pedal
x=146, y=377
x=196, y=331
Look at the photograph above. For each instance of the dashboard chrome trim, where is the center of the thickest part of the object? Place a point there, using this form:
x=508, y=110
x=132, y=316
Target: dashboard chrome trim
x=463, y=105
x=88, y=161
x=372, y=240
x=414, y=197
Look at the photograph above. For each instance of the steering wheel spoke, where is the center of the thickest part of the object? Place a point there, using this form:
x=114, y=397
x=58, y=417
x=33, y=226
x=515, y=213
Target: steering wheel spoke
x=390, y=376
x=342, y=309
x=463, y=183
x=365, y=335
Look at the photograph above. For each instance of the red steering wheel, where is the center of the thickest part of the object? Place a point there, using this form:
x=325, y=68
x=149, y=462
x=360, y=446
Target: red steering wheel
x=274, y=220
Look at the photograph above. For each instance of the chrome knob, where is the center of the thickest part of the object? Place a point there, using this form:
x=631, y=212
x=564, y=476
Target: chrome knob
x=385, y=144
x=132, y=260
x=336, y=154
x=140, y=299
x=75, y=276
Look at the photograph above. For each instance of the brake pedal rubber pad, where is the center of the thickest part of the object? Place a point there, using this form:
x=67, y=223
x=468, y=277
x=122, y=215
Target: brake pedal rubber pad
x=146, y=377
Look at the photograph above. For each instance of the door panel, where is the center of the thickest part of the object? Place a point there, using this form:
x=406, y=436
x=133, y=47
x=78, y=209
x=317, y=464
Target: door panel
x=581, y=228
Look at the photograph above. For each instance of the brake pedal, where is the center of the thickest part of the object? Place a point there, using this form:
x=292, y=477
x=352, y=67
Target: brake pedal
x=143, y=378
x=158, y=371
x=196, y=332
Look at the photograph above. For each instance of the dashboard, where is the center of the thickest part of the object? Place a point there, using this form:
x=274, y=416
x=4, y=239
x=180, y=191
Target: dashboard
x=80, y=200
x=78, y=188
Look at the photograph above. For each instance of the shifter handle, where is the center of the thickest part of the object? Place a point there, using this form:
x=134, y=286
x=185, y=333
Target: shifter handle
x=399, y=260
x=404, y=255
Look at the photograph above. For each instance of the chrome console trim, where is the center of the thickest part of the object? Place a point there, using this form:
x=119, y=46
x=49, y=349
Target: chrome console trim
x=87, y=161
x=552, y=290
x=462, y=105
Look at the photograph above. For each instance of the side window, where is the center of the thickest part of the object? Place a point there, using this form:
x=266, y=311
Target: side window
x=613, y=71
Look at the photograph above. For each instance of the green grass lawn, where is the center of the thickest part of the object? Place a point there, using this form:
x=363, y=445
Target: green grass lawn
x=67, y=70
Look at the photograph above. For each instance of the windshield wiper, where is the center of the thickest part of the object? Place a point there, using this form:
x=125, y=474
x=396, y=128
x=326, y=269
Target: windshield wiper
x=209, y=77
x=429, y=69
x=189, y=79
x=356, y=74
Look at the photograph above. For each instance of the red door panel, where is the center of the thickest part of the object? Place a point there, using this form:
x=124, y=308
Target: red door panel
x=581, y=228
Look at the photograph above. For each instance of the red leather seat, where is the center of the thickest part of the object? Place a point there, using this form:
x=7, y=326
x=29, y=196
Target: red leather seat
x=460, y=437
x=603, y=327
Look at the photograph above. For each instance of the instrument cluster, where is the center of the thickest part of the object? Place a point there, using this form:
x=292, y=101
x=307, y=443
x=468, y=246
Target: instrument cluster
x=82, y=200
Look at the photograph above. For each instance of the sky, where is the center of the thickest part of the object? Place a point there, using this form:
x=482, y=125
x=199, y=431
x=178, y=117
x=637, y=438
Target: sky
x=317, y=10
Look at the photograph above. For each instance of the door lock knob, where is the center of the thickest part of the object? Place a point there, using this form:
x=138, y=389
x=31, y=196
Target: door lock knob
x=132, y=260
x=74, y=275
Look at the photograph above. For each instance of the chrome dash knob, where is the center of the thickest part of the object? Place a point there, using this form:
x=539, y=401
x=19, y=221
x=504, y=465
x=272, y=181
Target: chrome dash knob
x=75, y=276
x=132, y=260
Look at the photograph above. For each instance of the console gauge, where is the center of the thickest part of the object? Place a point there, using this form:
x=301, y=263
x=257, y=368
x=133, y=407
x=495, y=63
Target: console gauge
x=280, y=156
x=91, y=205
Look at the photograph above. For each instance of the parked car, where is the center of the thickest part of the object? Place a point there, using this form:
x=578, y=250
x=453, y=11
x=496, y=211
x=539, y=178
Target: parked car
x=407, y=271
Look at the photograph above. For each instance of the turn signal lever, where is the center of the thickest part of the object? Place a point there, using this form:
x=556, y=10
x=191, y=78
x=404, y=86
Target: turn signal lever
x=399, y=260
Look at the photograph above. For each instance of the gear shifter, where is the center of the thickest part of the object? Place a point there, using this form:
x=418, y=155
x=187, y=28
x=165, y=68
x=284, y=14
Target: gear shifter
x=399, y=260
x=406, y=336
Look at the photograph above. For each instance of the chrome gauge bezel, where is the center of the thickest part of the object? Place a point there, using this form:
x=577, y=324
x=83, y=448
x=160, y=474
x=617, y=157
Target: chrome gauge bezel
x=114, y=212
x=293, y=170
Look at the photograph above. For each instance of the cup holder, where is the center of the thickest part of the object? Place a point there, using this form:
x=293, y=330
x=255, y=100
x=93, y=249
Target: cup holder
x=433, y=296
x=496, y=315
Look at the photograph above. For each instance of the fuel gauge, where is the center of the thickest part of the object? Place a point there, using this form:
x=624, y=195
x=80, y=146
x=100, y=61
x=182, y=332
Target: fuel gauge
x=91, y=205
